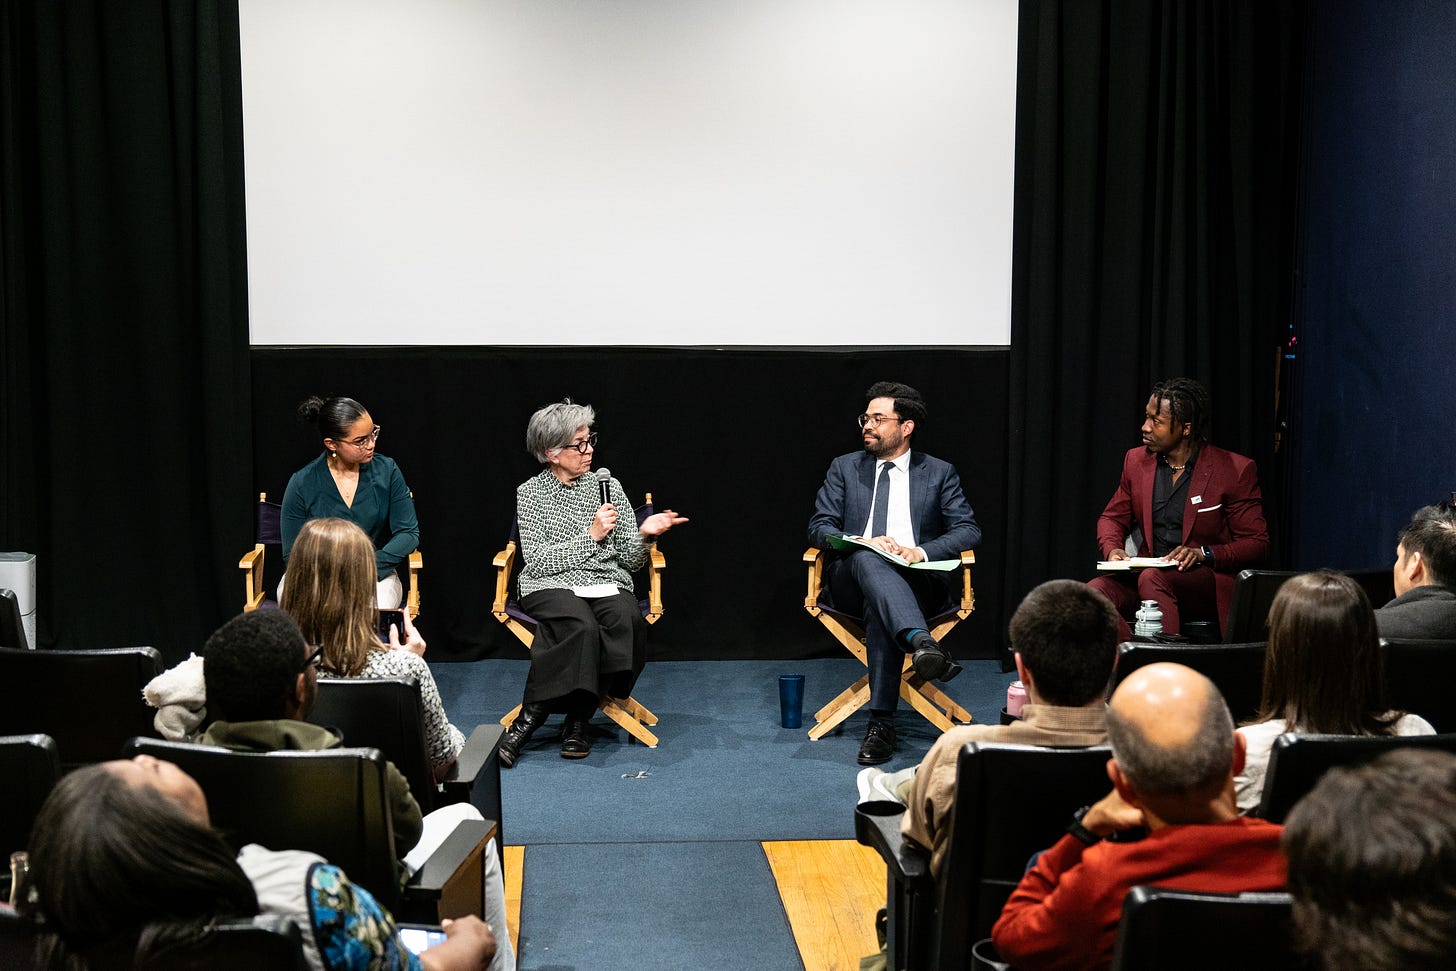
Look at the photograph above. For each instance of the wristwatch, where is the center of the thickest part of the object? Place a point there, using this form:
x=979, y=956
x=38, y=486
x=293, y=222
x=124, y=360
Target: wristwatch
x=1082, y=833
x=1208, y=555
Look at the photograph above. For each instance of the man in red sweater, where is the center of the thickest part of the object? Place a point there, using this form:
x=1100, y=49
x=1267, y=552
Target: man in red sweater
x=1175, y=755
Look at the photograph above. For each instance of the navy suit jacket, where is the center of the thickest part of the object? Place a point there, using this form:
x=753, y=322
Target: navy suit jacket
x=943, y=520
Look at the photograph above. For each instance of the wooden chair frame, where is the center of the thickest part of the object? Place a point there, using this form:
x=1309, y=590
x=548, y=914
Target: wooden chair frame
x=254, y=593
x=934, y=705
x=633, y=716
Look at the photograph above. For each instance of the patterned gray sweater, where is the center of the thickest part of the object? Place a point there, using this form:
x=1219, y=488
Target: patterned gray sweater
x=556, y=549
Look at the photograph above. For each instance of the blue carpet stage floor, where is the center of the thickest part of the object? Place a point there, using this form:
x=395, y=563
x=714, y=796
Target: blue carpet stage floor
x=725, y=769
x=640, y=859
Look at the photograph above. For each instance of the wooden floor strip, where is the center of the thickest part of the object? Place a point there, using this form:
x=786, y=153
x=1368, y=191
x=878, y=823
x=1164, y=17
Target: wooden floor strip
x=831, y=890
x=515, y=862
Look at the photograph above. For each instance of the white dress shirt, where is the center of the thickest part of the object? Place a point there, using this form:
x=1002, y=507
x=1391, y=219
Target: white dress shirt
x=898, y=524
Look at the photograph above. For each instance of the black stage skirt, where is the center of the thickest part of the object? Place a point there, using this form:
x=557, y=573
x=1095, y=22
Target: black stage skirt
x=593, y=644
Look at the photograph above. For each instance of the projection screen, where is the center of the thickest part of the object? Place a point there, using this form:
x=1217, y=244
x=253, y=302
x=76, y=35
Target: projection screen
x=634, y=172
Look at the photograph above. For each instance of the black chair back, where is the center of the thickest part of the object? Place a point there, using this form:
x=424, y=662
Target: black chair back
x=265, y=941
x=90, y=702
x=333, y=802
x=268, y=530
x=382, y=713
x=1194, y=931
x=1378, y=584
x=29, y=768
x=12, y=626
x=1254, y=590
x=1297, y=762
x=1011, y=801
x=1419, y=676
x=1237, y=669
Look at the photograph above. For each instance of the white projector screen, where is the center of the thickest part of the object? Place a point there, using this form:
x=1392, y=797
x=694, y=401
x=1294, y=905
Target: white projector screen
x=635, y=172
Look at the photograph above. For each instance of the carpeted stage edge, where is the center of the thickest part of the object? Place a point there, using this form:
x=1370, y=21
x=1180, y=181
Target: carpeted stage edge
x=725, y=770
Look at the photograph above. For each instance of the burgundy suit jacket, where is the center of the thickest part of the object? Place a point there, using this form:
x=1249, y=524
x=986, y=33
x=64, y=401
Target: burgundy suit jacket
x=1224, y=512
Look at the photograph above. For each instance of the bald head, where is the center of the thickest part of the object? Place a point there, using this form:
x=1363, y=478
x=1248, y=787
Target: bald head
x=1171, y=732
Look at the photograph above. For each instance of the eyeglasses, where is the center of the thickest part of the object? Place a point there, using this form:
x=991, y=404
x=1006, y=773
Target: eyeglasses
x=312, y=661
x=364, y=441
x=591, y=442
x=875, y=420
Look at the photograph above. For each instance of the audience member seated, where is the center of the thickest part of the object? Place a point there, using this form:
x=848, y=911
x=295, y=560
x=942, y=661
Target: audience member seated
x=1065, y=639
x=1175, y=754
x=261, y=684
x=1372, y=864
x=350, y=480
x=331, y=593
x=1424, y=607
x=1321, y=674
x=124, y=862
x=578, y=555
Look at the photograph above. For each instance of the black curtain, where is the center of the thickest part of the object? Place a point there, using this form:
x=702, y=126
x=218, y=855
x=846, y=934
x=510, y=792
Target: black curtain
x=1154, y=237
x=123, y=312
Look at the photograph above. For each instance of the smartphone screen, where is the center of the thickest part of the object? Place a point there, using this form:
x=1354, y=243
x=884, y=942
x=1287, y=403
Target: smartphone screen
x=418, y=939
x=387, y=617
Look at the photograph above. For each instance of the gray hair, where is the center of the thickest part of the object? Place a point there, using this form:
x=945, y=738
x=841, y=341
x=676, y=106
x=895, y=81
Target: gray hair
x=1197, y=764
x=555, y=425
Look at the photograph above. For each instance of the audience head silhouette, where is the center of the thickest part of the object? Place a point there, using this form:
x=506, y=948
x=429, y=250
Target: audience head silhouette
x=256, y=669
x=1174, y=750
x=1322, y=670
x=1425, y=550
x=1372, y=864
x=331, y=592
x=1065, y=638
x=124, y=862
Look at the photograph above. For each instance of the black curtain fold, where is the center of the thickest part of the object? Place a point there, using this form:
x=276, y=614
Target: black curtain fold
x=126, y=431
x=1154, y=236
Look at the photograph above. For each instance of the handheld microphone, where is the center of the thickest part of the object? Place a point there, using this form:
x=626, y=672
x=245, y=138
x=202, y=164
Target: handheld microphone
x=604, y=483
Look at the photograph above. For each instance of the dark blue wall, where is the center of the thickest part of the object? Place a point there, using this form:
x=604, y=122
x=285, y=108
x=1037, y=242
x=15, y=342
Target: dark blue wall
x=1373, y=434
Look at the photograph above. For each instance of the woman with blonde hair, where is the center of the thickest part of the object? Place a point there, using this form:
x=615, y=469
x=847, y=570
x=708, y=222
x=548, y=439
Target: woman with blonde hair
x=331, y=593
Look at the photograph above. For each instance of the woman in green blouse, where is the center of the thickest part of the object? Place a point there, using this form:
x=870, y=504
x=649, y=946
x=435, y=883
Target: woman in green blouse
x=576, y=581
x=351, y=480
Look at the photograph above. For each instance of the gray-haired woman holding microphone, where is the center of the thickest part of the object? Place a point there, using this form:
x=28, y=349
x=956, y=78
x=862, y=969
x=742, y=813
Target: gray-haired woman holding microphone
x=578, y=555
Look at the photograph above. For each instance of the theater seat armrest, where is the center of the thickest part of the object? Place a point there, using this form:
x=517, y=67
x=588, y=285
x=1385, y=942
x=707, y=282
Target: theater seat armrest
x=477, y=755
x=907, y=863
x=451, y=882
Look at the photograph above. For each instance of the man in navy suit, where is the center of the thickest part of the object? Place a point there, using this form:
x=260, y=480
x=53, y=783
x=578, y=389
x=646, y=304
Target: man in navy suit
x=911, y=506
x=1188, y=501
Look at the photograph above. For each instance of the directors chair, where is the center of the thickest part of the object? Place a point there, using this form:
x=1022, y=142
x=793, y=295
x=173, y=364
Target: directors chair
x=258, y=588
x=935, y=705
x=629, y=713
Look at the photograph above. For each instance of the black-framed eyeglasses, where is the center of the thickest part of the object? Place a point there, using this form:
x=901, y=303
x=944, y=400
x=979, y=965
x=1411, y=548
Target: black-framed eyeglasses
x=364, y=441
x=312, y=661
x=591, y=442
x=875, y=420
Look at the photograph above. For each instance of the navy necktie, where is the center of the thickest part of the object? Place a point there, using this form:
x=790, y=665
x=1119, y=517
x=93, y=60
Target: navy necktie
x=880, y=516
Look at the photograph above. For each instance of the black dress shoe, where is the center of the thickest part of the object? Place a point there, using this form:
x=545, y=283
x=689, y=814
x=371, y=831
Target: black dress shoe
x=521, y=730
x=879, y=742
x=931, y=661
x=575, y=739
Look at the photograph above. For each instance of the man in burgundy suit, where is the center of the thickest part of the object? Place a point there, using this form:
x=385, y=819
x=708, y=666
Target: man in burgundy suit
x=1191, y=502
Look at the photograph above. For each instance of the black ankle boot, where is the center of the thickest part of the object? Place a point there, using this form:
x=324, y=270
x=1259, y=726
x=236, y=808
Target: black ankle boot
x=531, y=718
x=575, y=738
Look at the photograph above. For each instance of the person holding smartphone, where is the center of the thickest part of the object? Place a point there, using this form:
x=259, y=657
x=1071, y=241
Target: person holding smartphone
x=331, y=595
x=124, y=859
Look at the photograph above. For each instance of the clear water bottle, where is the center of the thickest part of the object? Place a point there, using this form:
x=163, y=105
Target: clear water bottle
x=1149, y=619
x=1015, y=698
